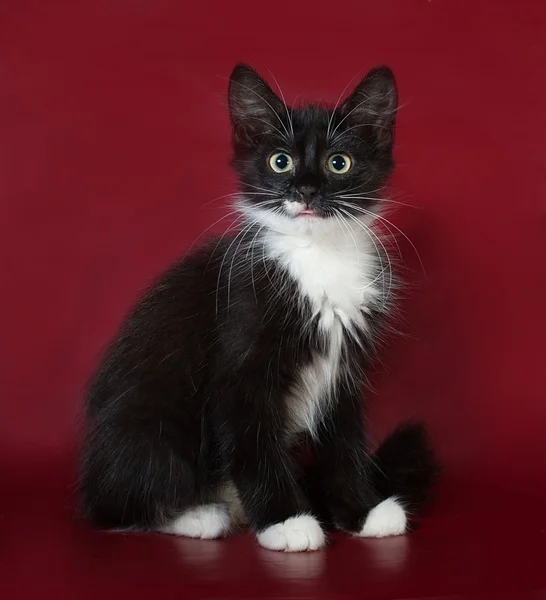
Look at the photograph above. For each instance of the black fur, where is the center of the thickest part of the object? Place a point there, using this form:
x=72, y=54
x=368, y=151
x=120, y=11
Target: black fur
x=192, y=392
x=404, y=466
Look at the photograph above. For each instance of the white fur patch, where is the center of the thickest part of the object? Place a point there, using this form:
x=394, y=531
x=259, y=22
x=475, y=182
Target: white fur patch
x=385, y=519
x=296, y=534
x=206, y=522
x=335, y=266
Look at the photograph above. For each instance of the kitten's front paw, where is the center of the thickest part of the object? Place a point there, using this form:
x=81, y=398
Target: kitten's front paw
x=296, y=534
x=385, y=519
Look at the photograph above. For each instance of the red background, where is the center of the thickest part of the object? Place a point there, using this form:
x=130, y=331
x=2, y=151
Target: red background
x=114, y=141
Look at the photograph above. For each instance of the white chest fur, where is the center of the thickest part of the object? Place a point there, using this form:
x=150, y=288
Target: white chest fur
x=336, y=270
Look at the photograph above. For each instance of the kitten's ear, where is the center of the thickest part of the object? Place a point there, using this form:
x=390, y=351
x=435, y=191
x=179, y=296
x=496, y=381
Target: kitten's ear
x=371, y=108
x=253, y=106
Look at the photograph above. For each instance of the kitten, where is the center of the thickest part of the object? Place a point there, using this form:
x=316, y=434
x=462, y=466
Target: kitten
x=254, y=348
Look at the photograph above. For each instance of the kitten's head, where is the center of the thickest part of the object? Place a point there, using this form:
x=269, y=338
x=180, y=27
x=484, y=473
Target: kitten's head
x=311, y=164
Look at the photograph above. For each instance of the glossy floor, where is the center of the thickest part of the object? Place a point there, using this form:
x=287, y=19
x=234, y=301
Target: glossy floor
x=467, y=546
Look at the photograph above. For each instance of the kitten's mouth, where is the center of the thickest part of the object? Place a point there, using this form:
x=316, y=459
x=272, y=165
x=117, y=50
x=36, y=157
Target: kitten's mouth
x=308, y=212
x=301, y=210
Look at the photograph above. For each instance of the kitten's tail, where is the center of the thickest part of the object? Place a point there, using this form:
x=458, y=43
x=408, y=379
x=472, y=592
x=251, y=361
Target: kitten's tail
x=404, y=466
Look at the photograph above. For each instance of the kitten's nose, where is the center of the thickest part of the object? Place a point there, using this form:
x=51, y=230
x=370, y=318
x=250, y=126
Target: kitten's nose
x=308, y=191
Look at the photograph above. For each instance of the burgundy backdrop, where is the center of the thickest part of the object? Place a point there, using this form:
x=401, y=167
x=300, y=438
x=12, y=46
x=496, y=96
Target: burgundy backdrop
x=114, y=144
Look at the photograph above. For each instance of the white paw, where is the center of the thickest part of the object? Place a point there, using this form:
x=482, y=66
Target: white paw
x=296, y=534
x=387, y=518
x=206, y=522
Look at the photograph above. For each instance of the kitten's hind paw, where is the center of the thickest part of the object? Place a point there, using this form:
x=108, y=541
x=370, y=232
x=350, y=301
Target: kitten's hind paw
x=386, y=519
x=207, y=522
x=297, y=534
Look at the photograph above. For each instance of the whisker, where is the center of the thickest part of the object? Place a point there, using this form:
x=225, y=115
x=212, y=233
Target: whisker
x=266, y=202
x=251, y=247
x=332, y=113
x=229, y=214
x=389, y=223
x=348, y=229
x=371, y=198
x=372, y=235
x=288, y=112
x=357, y=126
x=281, y=134
x=256, y=187
x=266, y=102
x=367, y=99
x=226, y=253
x=363, y=211
x=242, y=234
x=236, y=223
x=349, y=114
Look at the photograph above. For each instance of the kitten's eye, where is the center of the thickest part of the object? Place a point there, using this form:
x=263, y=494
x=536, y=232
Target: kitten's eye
x=339, y=163
x=281, y=162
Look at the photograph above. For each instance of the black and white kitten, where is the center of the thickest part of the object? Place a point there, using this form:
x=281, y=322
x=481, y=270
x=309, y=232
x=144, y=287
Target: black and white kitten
x=254, y=348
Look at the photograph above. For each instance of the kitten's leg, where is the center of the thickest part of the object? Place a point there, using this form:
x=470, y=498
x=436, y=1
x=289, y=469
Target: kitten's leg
x=129, y=481
x=207, y=522
x=343, y=467
x=264, y=474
